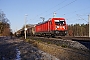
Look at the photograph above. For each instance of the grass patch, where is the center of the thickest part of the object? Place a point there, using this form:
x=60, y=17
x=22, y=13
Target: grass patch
x=27, y=40
x=49, y=42
x=63, y=45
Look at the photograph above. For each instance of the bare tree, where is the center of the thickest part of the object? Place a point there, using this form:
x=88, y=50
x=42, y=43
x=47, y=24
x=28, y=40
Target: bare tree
x=4, y=24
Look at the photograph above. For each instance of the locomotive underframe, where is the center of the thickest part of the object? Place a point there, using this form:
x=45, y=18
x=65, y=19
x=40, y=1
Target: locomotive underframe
x=52, y=33
x=60, y=33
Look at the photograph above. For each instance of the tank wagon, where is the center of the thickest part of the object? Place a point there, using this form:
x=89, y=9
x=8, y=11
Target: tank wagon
x=52, y=27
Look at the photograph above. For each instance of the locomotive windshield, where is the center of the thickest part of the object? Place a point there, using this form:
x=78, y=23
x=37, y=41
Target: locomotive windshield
x=59, y=22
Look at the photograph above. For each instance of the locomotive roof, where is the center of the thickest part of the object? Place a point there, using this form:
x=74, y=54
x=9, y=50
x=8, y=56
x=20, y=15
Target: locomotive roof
x=48, y=20
x=44, y=21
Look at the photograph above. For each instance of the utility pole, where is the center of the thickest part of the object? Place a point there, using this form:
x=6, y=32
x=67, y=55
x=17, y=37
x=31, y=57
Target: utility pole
x=25, y=25
x=42, y=18
x=89, y=24
x=54, y=14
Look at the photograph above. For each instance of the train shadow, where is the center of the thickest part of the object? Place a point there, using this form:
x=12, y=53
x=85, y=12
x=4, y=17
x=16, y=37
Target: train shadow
x=85, y=43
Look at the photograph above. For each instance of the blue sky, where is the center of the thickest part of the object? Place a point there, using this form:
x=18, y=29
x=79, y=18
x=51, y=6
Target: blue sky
x=74, y=11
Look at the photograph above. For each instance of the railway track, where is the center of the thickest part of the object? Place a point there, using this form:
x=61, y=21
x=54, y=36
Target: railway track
x=74, y=38
x=71, y=42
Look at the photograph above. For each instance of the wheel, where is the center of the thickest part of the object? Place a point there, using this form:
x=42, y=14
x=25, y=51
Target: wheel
x=53, y=36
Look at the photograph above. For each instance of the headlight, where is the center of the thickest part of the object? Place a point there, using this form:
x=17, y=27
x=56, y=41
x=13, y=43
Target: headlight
x=57, y=32
x=64, y=27
x=57, y=26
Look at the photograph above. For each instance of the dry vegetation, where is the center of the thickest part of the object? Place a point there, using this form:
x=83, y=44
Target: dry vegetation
x=62, y=53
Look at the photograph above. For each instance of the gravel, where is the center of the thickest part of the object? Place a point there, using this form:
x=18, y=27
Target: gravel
x=16, y=49
x=75, y=44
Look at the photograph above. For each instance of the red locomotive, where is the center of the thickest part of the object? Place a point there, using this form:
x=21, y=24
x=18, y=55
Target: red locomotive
x=52, y=27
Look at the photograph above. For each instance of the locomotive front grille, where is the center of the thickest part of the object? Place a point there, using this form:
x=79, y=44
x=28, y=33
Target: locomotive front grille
x=59, y=33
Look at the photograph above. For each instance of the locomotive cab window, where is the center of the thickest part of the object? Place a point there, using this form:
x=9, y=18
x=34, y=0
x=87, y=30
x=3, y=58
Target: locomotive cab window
x=59, y=22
